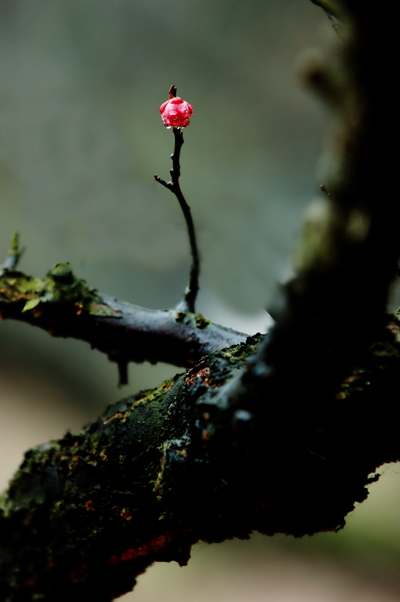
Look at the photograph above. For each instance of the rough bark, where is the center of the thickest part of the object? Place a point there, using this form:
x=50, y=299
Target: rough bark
x=157, y=472
x=281, y=434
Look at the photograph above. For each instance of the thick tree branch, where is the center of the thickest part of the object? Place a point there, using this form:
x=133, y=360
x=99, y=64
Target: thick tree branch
x=159, y=471
x=65, y=306
x=347, y=257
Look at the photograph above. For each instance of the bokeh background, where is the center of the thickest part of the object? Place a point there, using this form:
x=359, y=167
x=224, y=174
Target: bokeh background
x=80, y=140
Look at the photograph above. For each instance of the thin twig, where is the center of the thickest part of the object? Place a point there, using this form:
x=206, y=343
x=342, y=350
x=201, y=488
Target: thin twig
x=13, y=255
x=122, y=373
x=188, y=302
x=325, y=190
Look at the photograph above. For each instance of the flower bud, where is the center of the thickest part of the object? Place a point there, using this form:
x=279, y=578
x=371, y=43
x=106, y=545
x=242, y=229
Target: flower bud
x=176, y=112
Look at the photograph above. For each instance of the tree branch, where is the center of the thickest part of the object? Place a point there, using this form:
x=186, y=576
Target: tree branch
x=205, y=456
x=65, y=306
x=159, y=471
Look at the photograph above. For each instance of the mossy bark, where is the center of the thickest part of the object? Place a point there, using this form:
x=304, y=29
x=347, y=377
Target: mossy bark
x=85, y=515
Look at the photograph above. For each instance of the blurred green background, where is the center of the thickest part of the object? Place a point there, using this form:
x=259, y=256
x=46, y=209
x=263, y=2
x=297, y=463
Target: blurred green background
x=80, y=140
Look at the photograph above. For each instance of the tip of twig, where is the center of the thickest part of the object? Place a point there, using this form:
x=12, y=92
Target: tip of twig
x=122, y=373
x=172, y=92
x=14, y=246
x=13, y=255
x=324, y=189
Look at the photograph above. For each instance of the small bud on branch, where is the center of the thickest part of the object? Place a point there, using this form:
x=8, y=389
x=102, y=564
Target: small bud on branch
x=176, y=112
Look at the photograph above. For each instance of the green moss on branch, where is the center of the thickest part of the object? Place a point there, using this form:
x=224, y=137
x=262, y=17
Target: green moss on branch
x=65, y=306
x=85, y=515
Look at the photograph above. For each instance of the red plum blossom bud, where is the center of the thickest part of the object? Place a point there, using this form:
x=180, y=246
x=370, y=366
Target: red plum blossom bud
x=176, y=112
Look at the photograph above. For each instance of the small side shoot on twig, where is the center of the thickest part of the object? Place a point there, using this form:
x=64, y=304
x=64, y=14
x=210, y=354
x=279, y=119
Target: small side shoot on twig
x=13, y=255
x=176, y=113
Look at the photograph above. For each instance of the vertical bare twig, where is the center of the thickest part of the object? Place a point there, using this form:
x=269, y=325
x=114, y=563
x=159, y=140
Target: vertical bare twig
x=188, y=302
